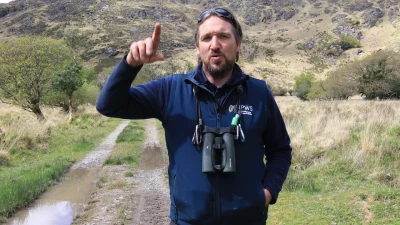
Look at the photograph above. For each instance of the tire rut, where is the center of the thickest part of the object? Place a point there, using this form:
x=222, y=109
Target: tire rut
x=152, y=195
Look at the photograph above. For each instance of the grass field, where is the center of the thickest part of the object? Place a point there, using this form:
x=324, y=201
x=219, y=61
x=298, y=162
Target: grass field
x=346, y=167
x=346, y=163
x=345, y=170
x=36, y=155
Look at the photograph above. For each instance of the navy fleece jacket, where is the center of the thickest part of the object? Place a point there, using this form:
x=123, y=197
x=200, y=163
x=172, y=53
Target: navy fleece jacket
x=209, y=198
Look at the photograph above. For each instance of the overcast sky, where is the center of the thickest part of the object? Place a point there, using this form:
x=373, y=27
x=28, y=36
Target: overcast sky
x=5, y=1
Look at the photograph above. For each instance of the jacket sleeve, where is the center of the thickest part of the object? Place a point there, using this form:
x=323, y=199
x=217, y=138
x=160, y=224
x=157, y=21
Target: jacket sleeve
x=118, y=99
x=278, y=151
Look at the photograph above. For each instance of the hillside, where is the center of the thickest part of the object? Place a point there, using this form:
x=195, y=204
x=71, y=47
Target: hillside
x=282, y=38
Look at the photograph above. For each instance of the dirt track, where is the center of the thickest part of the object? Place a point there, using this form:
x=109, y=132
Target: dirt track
x=141, y=199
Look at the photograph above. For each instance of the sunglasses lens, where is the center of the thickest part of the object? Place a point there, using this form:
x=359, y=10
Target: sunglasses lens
x=203, y=15
x=223, y=13
x=219, y=11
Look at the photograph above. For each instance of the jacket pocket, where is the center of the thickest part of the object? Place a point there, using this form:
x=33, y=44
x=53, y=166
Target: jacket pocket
x=244, y=204
x=192, y=203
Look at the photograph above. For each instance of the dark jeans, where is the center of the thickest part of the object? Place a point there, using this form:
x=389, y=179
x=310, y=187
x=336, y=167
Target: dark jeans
x=172, y=223
x=262, y=223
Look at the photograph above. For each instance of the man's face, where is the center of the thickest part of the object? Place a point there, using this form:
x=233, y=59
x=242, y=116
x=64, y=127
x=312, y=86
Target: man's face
x=217, y=46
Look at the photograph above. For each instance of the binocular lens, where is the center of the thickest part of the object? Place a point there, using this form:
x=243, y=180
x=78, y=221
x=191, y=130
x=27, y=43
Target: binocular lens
x=218, y=153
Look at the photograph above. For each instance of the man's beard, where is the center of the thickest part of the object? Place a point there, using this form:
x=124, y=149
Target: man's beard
x=221, y=71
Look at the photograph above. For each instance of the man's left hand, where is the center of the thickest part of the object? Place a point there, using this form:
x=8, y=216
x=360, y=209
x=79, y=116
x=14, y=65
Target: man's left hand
x=268, y=197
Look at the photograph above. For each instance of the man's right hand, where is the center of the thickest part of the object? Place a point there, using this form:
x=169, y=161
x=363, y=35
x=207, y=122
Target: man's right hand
x=145, y=51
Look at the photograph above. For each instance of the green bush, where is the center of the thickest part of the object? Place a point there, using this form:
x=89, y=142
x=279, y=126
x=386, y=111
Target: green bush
x=375, y=77
x=303, y=85
x=348, y=42
x=379, y=75
x=317, y=91
x=341, y=84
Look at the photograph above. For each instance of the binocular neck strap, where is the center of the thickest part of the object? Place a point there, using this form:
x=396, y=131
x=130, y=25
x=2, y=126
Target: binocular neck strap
x=199, y=127
x=196, y=92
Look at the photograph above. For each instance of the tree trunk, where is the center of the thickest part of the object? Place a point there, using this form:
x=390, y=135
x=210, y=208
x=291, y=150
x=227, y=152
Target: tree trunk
x=39, y=114
x=70, y=109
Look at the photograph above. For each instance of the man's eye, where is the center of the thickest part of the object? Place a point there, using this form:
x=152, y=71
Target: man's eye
x=224, y=36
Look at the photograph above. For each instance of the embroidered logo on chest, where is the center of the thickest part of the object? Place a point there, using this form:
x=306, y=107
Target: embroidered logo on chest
x=244, y=109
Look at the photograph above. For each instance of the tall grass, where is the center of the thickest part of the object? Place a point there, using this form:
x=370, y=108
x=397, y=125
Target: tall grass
x=364, y=134
x=346, y=163
x=39, y=154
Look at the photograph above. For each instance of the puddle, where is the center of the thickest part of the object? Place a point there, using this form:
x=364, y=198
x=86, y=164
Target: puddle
x=151, y=158
x=60, y=204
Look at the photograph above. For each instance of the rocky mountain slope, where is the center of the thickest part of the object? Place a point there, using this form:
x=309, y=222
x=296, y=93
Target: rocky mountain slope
x=282, y=38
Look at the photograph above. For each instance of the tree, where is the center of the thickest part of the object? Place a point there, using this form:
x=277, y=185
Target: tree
x=26, y=66
x=317, y=91
x=341, y=83
x=375, y=76
x=86, y=94
x=90, y=75
x=67, y=81
x=379, y=75
x=303, y=85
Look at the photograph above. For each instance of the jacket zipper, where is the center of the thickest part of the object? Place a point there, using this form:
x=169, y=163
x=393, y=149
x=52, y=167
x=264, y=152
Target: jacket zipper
x=175, y=219
x=217, y=177
x=217, y=198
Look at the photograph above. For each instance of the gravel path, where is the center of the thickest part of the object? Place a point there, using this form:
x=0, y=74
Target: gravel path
x=152, y=195
x=99, y=155
x=141, y=199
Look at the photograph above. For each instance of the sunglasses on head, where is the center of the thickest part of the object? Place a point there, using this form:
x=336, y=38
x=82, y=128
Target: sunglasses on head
x=220, y=12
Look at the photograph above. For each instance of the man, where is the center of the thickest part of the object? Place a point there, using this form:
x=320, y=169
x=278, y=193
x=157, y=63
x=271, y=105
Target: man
x=219, y=124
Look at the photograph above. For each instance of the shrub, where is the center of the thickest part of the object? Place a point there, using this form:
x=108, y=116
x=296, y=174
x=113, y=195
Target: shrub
x=341, y=84
x=348, y=42
x=4, y=158
x=376, y=76
x=269, y=53
x=317, y=91
x=379, y=75
x=128, y=174
x=279, y=91
x=303, y=85
x=88, y=93
x=332, y=51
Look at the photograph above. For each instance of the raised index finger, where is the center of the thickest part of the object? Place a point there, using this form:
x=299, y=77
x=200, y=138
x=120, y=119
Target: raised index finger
x=156, y=36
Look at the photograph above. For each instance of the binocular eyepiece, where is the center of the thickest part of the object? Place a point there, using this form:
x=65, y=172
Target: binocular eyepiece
x=218, y=152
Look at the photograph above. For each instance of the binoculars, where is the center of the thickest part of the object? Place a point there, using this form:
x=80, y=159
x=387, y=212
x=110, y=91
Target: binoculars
x=218, y=153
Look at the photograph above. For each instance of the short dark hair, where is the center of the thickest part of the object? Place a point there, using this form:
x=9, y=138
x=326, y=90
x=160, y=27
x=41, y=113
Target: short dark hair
x=221, y=13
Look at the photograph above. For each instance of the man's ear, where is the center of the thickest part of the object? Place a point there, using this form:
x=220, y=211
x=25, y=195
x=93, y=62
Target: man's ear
x=238, y=46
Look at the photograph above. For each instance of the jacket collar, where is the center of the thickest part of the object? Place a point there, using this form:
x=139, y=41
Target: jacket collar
x=198, y=77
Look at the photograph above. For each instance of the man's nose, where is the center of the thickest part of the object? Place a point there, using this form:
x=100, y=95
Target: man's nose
x=215, y=45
